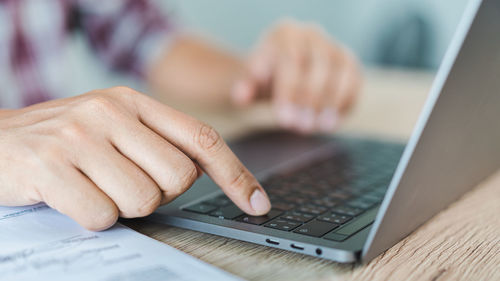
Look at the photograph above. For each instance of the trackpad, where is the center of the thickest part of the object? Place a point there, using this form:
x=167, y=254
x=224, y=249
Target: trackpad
x=261, y=151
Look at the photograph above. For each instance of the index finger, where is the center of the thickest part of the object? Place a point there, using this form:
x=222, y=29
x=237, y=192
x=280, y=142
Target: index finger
x=204, y=145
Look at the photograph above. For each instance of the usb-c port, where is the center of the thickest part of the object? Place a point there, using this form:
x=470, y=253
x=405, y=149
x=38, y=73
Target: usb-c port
x=271, y=241
x=297, y=247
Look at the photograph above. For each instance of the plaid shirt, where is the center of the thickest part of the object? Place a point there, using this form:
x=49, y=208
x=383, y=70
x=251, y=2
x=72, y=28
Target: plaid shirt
x=123, y=34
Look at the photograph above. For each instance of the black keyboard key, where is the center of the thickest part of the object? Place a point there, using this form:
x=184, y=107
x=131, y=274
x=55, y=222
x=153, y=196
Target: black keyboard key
x=278, y=191
x=221, y=200
x=361, y=203
x=309, y=193
x=312, y=209
x=297, y=216
x=334, y=218
x=346, y=210
x=274, y=198
x=285, y=206
x=359, y=183
x=316, y=228
x=321, y=183
x=338, y=195
x=201, y=208
x=260, y=219
x=228, y=212
x=335, y=236
x=353, y=191
x=295, y=200
x=282, y=224
x=325, y=202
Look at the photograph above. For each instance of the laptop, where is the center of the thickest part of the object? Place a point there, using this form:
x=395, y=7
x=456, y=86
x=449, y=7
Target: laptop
x=348, y=199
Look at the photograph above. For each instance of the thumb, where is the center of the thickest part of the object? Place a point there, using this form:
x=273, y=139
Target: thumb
x=244, y=91
x=256, y=79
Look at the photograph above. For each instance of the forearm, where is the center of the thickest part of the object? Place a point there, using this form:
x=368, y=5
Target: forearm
x=195, y=72
x=4, y=112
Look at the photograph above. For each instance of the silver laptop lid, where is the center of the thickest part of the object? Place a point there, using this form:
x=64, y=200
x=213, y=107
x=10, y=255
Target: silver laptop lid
x=456, y=142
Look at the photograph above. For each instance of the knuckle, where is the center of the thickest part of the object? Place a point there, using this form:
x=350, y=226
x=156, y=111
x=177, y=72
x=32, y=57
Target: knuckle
x=123, y=91
x=103, y=220
x=125, y=94
x=73, y=131
x=103, y=106
x=99, y=104
x=148, y=204
x=238, y=183
x=180, y=180
x=208, y=139
x=186, y=177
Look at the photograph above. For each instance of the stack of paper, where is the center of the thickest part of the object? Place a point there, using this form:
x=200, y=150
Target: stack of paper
x=38, y=243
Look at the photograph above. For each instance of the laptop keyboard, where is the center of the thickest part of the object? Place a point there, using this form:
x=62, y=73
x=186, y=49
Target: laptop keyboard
x=333, y=198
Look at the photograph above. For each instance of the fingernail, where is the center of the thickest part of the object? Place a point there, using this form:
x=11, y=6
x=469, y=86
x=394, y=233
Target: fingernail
x=306, y=119
x=328, y=120
x=259, y=202
x=286, y=114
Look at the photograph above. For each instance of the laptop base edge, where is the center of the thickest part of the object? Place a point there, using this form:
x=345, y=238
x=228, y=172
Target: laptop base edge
x=333, y=254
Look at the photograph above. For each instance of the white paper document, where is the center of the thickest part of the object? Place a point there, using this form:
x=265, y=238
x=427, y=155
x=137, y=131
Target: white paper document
x=38, y=243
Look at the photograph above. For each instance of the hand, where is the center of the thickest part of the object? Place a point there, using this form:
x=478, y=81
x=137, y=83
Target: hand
x=113, y=153
x=311, y=81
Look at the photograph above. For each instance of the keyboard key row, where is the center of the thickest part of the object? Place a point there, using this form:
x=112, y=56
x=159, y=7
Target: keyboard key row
x=316, y=228
x=334, y=218
x=258, y=220
x=334, y=225
x=228, y=212
x=282, y=224
x=298, y=216
x=312, y=209
x=352, y=227
x=201, y=208
x=346, y=210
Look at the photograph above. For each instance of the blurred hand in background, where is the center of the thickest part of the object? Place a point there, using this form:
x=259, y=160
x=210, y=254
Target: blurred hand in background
x=311, y=80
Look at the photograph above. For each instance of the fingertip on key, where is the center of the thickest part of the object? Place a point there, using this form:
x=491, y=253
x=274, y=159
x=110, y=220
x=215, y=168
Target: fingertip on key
x=259, y=202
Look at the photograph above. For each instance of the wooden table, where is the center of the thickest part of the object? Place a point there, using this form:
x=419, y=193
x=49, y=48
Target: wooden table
x=460, y=243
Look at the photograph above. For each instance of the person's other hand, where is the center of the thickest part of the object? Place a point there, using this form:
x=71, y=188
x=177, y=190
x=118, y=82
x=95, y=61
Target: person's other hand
x=113, y=153
x=311, y=80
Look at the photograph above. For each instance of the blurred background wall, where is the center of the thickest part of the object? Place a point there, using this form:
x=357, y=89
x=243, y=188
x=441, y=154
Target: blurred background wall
x=412, y=33
x=388, y=33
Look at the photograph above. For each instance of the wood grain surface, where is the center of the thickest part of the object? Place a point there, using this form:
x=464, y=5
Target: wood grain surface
x=460, y=243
